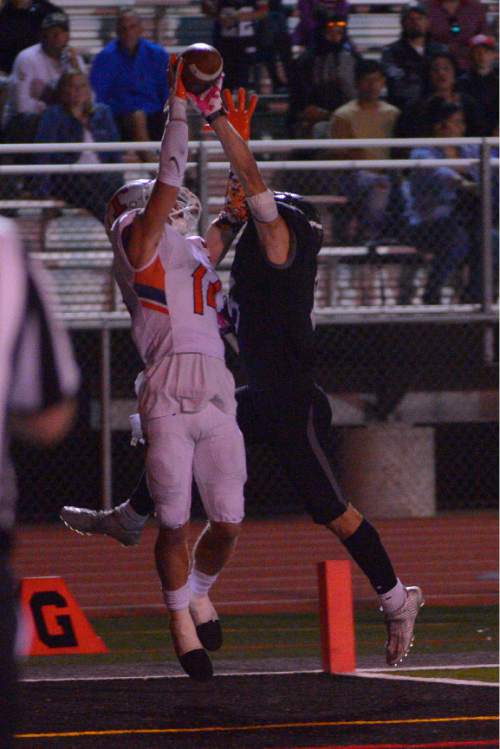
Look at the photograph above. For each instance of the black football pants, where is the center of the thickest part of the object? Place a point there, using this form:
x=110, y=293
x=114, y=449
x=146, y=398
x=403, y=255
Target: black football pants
x=296, y=423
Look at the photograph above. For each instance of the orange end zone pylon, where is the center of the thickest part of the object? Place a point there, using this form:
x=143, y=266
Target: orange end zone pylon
x=58, y=624
x=336, y=616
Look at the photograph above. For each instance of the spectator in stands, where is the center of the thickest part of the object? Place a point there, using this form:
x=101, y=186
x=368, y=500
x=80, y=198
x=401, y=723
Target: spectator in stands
x=366, y=116
x=235, y=37
x=20, y=25
x=76, y=119
x=441, y=82
x=481, y=81
x=311, y=15
x=274, y=46
x=404, y=60
x=35, y=74
x=129, y=75
x=323, y=78
x=442, y=201
x=454, y=23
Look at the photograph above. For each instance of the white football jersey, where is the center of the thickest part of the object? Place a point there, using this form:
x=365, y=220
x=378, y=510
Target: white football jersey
x=173, y=300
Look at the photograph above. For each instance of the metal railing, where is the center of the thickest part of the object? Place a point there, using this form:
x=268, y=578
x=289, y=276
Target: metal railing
x=341, y=300
x=208, y=165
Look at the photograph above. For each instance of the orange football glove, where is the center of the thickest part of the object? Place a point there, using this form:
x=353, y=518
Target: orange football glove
x=174, y=74
x=235, y=205
x=239, y=117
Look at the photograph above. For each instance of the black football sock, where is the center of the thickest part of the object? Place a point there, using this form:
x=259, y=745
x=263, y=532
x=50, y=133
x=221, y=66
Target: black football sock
x=367, y=550
x=140, y=499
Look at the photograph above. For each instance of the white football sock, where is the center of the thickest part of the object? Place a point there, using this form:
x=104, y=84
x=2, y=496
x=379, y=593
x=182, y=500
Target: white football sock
x=200, y=583
x=178, y=599
x=200, y=605
x=394, y=598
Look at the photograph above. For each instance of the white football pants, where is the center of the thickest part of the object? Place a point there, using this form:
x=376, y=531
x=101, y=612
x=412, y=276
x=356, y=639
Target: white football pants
x=207, y=445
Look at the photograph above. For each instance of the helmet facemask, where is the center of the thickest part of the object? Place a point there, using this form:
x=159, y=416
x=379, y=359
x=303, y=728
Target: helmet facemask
x=134, y=195
x=185, y=214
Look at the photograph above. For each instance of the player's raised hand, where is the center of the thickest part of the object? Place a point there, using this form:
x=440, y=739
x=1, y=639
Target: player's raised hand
x=240, y=116
x=175, y=69
x=176, y=86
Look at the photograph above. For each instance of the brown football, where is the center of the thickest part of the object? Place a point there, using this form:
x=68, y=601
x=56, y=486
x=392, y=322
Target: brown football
x=202, y=66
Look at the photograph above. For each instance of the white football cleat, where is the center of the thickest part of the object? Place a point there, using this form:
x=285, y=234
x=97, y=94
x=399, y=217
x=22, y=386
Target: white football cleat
x=400, y=626
x=87, y=522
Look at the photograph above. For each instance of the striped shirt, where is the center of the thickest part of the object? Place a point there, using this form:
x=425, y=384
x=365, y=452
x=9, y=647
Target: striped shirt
x=37, y=368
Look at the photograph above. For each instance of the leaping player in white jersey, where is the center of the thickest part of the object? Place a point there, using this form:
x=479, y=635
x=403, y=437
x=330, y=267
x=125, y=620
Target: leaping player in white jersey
x=185, y=393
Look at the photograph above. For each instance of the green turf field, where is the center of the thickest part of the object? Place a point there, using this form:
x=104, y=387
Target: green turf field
x=440, y=630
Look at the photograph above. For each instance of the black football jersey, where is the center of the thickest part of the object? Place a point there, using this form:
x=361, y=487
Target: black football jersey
x=271, y=306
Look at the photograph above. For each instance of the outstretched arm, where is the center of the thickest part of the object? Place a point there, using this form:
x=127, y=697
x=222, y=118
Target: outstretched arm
x=225, y=227
x=271, y=228
x=147, y=229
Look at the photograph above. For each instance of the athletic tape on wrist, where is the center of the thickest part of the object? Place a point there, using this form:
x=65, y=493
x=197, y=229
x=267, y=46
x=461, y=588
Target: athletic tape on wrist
x=173, y=153
x=263, y=207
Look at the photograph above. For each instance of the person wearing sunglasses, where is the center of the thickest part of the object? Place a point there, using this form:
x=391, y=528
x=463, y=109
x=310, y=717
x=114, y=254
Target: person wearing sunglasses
x=323, y=78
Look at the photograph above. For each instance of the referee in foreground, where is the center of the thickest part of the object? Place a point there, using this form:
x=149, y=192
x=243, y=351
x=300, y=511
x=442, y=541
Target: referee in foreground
x=38, y=382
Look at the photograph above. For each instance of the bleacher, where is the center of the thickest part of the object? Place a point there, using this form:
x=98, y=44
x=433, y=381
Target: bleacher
x=348, y=276
x=178, y=23
x=175, y=26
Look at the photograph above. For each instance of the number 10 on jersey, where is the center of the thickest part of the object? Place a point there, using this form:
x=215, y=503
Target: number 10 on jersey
x=212, y=290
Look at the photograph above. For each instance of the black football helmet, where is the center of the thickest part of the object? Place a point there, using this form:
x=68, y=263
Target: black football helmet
x=308, y=210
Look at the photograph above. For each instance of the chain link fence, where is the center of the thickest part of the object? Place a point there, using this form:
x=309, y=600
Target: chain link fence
x=406, y=305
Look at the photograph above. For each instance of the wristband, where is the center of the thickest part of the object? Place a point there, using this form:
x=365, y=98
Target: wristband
x=263, y=207
x=215, y=115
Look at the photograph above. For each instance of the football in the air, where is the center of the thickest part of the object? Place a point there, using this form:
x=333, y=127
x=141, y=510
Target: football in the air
x=202, y=66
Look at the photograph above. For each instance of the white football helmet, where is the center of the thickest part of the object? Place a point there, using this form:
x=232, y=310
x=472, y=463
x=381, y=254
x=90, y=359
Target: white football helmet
x=184, y=216
x=134, y=194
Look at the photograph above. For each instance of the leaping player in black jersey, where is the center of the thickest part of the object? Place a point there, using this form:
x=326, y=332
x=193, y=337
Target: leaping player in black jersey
x=279, y=236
